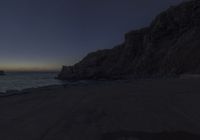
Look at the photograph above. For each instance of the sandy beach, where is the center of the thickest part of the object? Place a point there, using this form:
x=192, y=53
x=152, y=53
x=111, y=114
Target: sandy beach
x=89, y=111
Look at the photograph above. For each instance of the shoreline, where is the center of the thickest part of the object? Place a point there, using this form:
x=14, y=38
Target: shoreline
x=67, y=83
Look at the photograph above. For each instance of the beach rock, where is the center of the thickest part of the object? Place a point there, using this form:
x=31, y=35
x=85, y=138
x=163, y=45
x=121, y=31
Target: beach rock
x=170, y=46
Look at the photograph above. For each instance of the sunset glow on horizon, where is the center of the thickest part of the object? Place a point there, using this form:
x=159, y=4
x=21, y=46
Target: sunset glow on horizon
x=30, y=67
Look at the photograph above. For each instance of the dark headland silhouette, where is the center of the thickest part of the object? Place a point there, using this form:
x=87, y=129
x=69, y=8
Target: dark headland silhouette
x=170, y=46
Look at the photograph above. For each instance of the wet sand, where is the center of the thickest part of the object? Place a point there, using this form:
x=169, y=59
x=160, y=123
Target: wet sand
x=93, y=111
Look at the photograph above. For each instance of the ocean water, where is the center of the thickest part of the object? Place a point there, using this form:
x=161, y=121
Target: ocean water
x=23, y=80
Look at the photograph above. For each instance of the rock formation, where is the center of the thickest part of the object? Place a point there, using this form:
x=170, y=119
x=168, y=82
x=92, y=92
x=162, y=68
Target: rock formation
x=169, y=46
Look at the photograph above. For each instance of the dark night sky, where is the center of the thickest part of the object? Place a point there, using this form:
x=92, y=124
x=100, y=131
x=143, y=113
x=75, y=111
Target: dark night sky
x=46, y=34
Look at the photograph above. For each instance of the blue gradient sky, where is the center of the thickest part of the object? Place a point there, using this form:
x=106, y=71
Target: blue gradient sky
x=46, y=34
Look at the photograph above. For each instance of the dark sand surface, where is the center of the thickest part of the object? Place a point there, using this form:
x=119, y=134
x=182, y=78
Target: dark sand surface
x=110, y=110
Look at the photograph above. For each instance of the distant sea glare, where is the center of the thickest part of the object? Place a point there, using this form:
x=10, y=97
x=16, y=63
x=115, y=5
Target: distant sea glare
x=23, y=80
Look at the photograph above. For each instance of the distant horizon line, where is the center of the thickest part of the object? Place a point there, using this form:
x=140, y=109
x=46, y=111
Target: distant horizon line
x=45, y=69
x=30, y=71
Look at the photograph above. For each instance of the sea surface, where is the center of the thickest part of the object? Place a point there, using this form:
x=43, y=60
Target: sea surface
x=23, y=80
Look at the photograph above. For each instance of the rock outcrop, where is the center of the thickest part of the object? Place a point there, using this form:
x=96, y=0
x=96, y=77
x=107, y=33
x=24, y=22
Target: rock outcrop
x=169, y=46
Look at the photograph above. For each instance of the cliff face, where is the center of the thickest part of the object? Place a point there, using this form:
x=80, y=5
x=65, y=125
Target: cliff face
x=169, y=46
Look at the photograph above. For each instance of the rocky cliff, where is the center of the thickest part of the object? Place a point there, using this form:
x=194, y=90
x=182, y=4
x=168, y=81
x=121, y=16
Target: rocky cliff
x=169, y=46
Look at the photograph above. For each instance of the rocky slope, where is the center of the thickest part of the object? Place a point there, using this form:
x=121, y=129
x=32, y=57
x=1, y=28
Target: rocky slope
x=169, y=46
